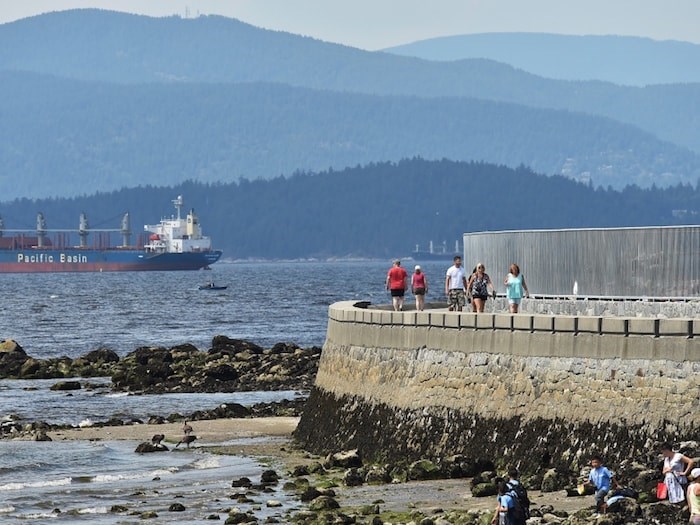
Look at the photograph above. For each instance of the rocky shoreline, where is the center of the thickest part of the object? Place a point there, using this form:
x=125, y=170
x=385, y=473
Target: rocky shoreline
x=342, y=487
x=229, y=365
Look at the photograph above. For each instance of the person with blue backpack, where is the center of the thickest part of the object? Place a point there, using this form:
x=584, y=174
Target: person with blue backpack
x=513, y=504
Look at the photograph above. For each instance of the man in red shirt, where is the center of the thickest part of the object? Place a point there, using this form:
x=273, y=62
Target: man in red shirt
x=397, y=283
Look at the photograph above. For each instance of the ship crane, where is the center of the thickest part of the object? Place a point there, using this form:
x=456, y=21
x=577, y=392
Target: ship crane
x=83, y=230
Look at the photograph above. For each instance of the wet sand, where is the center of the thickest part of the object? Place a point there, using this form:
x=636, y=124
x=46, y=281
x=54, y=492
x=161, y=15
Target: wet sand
x=227, y=436
x=208, y=432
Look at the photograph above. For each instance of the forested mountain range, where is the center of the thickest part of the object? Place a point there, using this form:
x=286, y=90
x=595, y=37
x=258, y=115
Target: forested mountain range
x=118, y=47
x=63, y=137
x=624, y=60
x=380, y=210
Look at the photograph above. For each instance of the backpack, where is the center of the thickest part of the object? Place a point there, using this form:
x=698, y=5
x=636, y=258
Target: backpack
x=520, y=512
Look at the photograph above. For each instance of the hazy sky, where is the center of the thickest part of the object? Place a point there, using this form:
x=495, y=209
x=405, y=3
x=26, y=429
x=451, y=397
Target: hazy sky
x=374, y=24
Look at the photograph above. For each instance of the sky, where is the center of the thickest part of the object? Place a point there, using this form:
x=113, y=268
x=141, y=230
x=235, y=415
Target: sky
x=377, y=24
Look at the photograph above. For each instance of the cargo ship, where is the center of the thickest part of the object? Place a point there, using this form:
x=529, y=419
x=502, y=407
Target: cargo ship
x=175, y=243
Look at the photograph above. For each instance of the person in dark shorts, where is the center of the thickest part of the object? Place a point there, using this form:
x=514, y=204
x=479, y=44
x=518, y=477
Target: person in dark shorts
x=456, y=285
x=478, y=287
x=419, y=287
x=396, y=283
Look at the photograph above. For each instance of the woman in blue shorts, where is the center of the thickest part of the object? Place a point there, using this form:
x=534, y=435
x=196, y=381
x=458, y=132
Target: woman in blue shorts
x=516, y=288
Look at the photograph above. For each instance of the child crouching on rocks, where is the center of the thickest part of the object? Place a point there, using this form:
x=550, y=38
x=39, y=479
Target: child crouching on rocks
x=601, y=478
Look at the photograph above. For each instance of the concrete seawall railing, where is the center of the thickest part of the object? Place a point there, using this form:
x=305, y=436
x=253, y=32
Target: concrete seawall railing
x=522, y=334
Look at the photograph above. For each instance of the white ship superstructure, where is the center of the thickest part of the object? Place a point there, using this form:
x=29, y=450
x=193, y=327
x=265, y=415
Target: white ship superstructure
x=177, y=235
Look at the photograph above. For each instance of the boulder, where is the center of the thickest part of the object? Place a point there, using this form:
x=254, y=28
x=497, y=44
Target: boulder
x=242, y=482
x=484, y=489
x=300, y=470
x=229, y=346
x=487, y=476
x=627, y=507
x=666, y=514
x=31, y=368
x=345, y=459
x=284, y=348
x=183, y=351
x=148, y=447
x=66, y=385
x=12, y=357
x=377, y=475
x=236, y=516
x=11, y=346
x=41, y=435
x=324, y=503
x=309, y=494
x=222, y=373
x=423, y=469
x=101, y=356
x=269, y=477
x=554, y=480
x=176, y=507
x=353, y=478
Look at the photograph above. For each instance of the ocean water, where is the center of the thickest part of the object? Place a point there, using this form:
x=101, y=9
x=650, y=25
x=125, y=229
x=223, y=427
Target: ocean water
x=53, y=315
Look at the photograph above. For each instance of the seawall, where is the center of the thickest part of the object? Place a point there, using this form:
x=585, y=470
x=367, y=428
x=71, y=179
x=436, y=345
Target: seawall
x=529, y=390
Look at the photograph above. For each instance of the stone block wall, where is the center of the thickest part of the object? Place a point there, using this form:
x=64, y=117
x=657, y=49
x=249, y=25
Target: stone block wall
x=525, y=389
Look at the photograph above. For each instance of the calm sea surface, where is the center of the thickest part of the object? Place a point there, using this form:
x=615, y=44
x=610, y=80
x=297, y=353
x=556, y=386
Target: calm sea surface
x=52, y=315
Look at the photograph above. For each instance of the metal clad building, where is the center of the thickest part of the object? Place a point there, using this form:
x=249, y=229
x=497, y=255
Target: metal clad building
x=630, y=262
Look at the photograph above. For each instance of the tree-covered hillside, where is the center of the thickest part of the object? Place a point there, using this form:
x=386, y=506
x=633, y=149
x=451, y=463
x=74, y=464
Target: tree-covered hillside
x=62, y=137
x=381, y=210
x=117, y=47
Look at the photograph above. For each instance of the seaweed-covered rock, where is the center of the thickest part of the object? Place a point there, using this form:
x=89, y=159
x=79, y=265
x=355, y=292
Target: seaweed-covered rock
x=484, y=489
x=423, y=469
x=324, y=503
x=226, y=345
x=666, y=514
x=101, y=356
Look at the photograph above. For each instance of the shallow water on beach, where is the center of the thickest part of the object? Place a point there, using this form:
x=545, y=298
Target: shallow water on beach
x=85, y=479
x=33, y=400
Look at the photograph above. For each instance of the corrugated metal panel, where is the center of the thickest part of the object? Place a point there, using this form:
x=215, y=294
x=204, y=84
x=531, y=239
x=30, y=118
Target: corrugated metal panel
x=635, y=262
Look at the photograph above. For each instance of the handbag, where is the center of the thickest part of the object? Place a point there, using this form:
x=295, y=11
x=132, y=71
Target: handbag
x=661, y=490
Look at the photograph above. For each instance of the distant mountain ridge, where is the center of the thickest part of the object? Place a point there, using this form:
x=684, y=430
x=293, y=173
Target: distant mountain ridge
x=624, y=60
x=62, y=137
x=116, y=47
x=95, y=100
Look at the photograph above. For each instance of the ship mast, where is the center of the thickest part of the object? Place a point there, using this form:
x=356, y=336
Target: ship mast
x=178, y=203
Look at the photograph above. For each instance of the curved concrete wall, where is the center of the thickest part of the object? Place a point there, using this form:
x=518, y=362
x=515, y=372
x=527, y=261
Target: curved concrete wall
x=438, y=382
